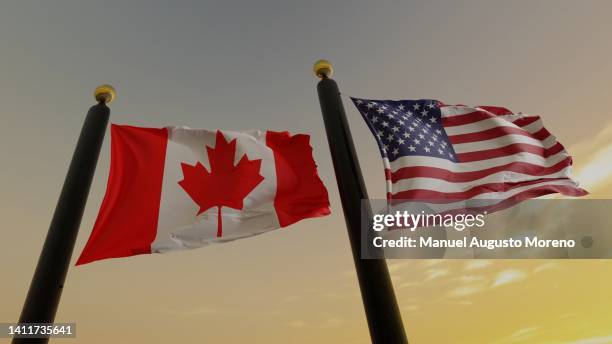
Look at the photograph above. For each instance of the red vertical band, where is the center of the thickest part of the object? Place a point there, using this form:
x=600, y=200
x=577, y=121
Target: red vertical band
x=300, y=193
x=127, y=221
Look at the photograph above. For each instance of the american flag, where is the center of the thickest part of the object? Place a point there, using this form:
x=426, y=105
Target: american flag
x=447, y=154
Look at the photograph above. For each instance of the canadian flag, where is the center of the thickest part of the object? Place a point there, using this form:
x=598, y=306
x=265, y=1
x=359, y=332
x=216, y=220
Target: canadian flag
x=179, y=188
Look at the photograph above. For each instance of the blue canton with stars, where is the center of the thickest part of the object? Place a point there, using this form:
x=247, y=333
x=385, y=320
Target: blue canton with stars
x=407, y=127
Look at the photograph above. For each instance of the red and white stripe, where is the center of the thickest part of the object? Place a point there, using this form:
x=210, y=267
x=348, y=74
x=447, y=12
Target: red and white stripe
x=146, y=210
x=503, y=157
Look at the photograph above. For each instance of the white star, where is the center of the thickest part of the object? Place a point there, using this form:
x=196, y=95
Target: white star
x=432, y=119
x=389, y=115
x=390, y=137
x=379, y=133
x=359, y=101
x=371, y=105
x=374, y=119
x=380, y=110
x=406, y=134
x=431, y=105
x=428, y=125
x=427, y=149
x=395, y=151
x=450, y=154
x=385, y=147
x=435, y=138
x=395, y=129
x=425, y=130
x=440, y=151
x=424, y=113
x=400, y=141
x=431, y=143
x=416, y=141
x=416, y=106
x=438, y=131
x=411, y=128
x=401, y=107
x=421, y=136
x=400, y=122
x=412, y=148
x=383, y=107
x=385, y=124
x=410, y=113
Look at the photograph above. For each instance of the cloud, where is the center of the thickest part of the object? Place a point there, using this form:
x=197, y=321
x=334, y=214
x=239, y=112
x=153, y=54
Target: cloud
x=207, y=311
x=470, y=278
x=435, y=273
x=427, y=263
x=593, y=168
x=408, y=285
x=509, y=276
x=411, y=308
x=396, y=278
x=291, y=298
x=593, y=340
x=332, y=322
x=545, y=266
x=521, y=335
x=466, y=290
x=396, y=266
x=477, y=264
x=297, y=323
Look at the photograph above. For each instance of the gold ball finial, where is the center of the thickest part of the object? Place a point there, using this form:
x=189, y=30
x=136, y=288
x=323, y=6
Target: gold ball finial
x=105, y=93
x=323, y=69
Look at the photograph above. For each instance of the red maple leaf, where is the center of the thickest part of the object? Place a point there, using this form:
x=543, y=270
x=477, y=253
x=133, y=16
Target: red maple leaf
x=225, y=185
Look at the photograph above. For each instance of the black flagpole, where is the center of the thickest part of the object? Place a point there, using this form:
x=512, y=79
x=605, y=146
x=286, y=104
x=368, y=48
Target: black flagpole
x=384, y=319
x=46, y=287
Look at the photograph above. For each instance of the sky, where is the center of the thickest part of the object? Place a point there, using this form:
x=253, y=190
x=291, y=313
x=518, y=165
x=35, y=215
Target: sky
x=248, y=65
